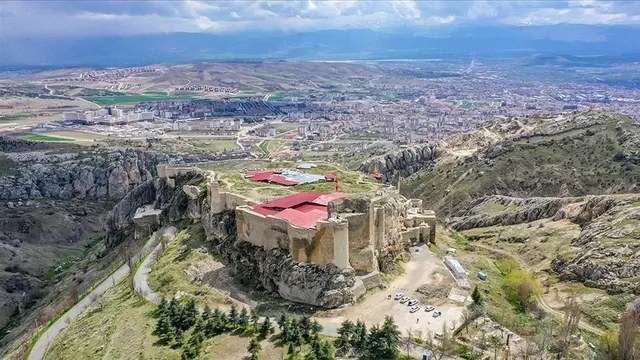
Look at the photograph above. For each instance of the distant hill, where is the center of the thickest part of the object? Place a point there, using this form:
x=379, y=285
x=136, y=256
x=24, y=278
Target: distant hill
x=589, y=153
x=409, y=43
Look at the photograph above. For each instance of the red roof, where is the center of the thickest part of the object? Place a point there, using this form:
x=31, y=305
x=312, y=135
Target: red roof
x=270, y=176
x=303, y=209
x=331, y=177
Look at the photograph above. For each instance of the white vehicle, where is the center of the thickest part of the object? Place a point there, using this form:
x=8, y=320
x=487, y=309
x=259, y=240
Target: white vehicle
x=436, y=313
x=412, y=302
x=429, y=308
x=404, y=299
x=414, y=309
x=438, y=335
x=398, y=296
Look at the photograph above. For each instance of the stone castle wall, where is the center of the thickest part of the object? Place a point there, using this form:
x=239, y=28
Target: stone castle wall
x=362, y=236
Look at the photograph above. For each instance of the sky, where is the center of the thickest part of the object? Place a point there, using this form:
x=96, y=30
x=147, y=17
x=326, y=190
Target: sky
x=78, y=18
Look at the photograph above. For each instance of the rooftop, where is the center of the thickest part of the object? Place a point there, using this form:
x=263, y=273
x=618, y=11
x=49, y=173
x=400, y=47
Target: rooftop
x=303, y=209
x=287, y=177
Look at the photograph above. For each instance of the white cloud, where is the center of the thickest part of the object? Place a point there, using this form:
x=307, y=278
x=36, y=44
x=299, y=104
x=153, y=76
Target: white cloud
x=82, y=18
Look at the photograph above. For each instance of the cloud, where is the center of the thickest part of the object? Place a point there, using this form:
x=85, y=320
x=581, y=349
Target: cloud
x=77, y=18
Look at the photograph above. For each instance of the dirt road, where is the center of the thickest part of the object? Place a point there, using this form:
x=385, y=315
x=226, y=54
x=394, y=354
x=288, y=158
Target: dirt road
x=39, y=350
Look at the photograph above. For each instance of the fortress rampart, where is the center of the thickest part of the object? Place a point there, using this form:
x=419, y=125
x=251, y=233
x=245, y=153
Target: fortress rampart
x=361, y=232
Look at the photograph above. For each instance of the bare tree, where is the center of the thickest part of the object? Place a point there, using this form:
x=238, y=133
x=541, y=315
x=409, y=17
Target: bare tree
x=544, y=334
x=496, y=342
x=628, y=333
x=568, y=326
x=407, y=340
x=441, y=347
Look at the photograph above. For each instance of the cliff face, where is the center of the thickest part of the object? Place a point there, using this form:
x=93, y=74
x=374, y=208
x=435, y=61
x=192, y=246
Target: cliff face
x=273, y=270
x=404, y=162
x=88, y=175
x=608, y=241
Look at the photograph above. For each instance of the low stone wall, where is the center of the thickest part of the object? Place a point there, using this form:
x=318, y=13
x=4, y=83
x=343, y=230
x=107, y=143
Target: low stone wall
x=371, y=280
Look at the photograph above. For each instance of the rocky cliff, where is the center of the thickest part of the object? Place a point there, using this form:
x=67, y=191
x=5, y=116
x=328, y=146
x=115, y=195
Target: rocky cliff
x=273, y=270
x=606, y=250
x=403, y=163
x=89, y=174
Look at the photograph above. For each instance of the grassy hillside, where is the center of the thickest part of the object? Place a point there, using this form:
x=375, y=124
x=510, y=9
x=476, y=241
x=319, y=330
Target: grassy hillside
x=580, y=155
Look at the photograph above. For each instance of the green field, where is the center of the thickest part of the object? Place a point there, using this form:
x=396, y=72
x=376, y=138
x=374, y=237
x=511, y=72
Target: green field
x=13, y=117
x=123, y=99
x=217, y=145
x=35, y=137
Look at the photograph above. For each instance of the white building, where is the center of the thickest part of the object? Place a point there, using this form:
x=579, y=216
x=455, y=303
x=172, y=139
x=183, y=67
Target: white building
x=455, y=267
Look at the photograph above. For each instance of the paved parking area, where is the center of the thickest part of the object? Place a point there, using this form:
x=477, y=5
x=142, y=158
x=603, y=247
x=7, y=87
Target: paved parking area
x=376, y=306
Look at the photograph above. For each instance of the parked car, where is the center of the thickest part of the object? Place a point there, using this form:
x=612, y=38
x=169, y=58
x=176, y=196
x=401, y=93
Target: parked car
x=414, y=309
x=398, y=296
x=429, y=308
x=412, y=302
x=438, y=335
x=436, y=313
x=404, y=299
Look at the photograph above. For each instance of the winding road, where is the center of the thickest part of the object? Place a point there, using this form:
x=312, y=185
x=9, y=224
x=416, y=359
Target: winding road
x=41, y=346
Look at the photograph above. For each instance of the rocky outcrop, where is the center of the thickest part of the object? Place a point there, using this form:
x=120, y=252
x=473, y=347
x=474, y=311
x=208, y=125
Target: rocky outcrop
x=78, y=175
x=275, y=271
x=608, y=242
x=404, y=162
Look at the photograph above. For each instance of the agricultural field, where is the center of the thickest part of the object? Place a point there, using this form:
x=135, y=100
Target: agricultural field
x=124, y=99
x=39, y=137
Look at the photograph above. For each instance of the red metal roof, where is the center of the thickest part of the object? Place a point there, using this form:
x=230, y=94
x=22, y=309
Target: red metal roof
x=331, y=177
x=303, y=209
x=297, y=218
x=325, y=198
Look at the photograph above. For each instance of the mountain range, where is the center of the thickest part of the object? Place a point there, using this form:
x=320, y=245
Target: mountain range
x=447, y=43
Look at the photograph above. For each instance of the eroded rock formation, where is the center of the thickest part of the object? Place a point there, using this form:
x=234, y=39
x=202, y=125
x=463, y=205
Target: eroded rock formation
x=78, y=175
x=404, y=162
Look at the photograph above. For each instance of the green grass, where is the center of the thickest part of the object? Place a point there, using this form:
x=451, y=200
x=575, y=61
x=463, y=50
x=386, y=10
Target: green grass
x=574, y=163
x=123, y=99
x=217, y=145
x=278, y=97
x=169, y=274
x=14, y=117
x=38, y=137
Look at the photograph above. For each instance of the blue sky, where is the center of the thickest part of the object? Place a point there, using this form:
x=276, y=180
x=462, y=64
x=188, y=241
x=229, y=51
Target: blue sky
x=81, y=18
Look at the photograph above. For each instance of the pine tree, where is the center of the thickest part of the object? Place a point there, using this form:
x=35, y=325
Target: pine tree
x=254, y=318
x=164, y=330
x=291, y=349
x=375, y=347
x=315, y=328
x=360, y=337
x=346, y=335
x=233, y=316
x=476, y=296
x=390, y=338
x=243, y=319
x=266, y=328
x=206, y=313
x=282, y=321
x=161, y=309
x=305, y=327
x=254, y=349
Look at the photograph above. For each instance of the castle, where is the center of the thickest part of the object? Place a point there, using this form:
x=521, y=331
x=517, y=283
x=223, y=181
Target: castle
x=365, y=233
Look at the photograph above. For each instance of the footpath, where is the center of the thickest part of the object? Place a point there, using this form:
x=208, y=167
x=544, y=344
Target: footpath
x=39, y=349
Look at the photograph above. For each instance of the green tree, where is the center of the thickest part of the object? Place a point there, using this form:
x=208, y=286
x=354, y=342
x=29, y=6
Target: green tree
x=206, y=313
x=374, y=347
x=233, y=317
x=360, y=335
x=164, y=329
x=266, y=328
x=476, y=296
x=346, y=333
x=254, y=348
x=522, y=289
x=390, y=338
x=282, y=321
x=305, y=327
x=243, y=319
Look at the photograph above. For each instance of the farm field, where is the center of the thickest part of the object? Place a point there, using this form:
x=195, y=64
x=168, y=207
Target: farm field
x=123, y=99
x=38, y=137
